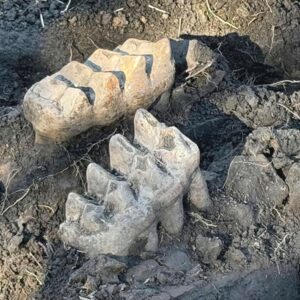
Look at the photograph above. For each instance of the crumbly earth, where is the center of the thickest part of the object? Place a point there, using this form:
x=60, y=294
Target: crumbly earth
x=245, y=247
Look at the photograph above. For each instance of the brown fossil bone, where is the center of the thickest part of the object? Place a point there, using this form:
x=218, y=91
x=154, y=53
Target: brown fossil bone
x=120, y=214
x=109, y=85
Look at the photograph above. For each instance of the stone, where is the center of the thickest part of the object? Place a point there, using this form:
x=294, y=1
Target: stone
x=209, y=248
x=119, y=21
x=106, y=19
x=121, y=215
x=177, y=260
x=143, y=271
x=242, y=214
x=235, y=257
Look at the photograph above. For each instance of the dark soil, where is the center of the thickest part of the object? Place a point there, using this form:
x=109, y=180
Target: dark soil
x=253, y=244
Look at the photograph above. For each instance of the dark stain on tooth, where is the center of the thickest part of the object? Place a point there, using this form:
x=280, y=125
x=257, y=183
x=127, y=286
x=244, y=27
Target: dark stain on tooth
x=88, y=91
x=149, y=64
x=121, y=77
x=94, y=67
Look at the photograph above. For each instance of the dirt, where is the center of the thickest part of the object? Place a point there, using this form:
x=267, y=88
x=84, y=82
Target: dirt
x=246, y=246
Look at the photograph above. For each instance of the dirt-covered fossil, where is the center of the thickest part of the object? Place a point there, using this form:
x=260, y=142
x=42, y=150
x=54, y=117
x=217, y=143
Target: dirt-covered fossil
x=108, y=85
x=119, y=215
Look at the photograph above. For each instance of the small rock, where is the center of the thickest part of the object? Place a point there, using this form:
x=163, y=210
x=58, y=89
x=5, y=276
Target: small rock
x=235, y=257
x=106, y=19
x=73, y=20
x=208, y=248
x=165, y=16
x=90, y=284
x=30, y=18
x=243, y=214
x=177, y=260
x=143, y=19
x=119, y=21
x=131, y=3
x=102, y=267
x=142, y=271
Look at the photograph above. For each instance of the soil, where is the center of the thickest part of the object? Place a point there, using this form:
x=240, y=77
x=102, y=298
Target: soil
x=248, y=245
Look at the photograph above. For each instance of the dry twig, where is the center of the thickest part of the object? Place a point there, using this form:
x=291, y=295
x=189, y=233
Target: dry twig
x=179, y=28
x=94, y=44
x=118, y=10
x=158, y=9
x=280, y=82
x=67, y=7
x=290, y=111
x=267, y=2
x=283, y=241
x=199, y=218
x=219, y=18
x=209, y=64
x=16, y=202
x=33, y=275
x=272, y=38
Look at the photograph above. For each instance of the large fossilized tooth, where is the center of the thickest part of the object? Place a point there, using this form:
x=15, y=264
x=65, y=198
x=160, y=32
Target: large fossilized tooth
x=110, y=84
x=121, y=214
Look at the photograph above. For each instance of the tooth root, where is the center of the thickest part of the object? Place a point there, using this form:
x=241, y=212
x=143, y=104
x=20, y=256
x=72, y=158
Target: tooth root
x=172, y=218
x=121, y=154
x=98, y=180
x=198, y=193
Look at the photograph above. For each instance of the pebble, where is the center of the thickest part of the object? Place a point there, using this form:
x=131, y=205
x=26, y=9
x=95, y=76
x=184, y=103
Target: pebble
x=208, y=248
x=143, y=19
x=106, y=19
x=73, y=20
